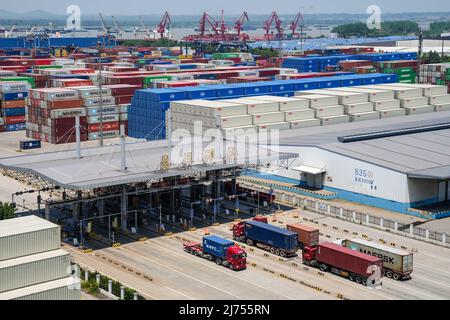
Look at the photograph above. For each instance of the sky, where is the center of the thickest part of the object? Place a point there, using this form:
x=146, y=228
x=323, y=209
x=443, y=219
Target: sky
x=133, y=7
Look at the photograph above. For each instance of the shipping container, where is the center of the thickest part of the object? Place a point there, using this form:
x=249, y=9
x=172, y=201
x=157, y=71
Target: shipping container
x=303, y=114
x=62, y=289
x=26, y=236
x=90, y=102
x=344, y=97
x=387, y=105
x=285, y=104
x=374, y=94
x=397, y=264
x=307, y=236
x=334, y=119
x=389, y=113
x=364, y=116
x=419, y=109
x=216, y=246
x=358, y=107
x=328, y=111
x=439, y=99
x=265, y=118
x=212, y=109
x=37, y=268
x=414, y=102
x=317, y=100
x=305, y=123
x=236, y=121
x=32, y=144
x=442, y=107
x=400, y=92
x=429, y=90
x=275, y=126
x=257, y=106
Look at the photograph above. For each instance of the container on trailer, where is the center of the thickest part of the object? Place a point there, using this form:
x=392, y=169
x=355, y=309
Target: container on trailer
x=265, y=118
x=216, y=246
x=414, y=102
x=302, y=114
x=334, y=119
x=419, y=109
x=399, y=261
x=358, y=107
x=329, y=111
x=346, y=259
x=27, y=235
x=304, y=123
x=31, y=144
x=364, y=116
x=275, y=126
x=236, y=121
x=33, y=269
x=387, y=105
x=307, y=236
x=389, y=113
x=317, y=100
x=271, y=235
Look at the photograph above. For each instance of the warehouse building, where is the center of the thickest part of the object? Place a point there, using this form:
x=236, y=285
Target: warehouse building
x=399, y=164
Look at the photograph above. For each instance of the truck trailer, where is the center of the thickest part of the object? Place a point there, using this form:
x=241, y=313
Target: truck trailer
x=307, y=236
x=397, y=264
x=224, y=252
x=277, y=240
x=354, y=265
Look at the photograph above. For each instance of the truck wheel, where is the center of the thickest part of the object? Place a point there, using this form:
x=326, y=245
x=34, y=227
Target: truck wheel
x=250, y=242
x=352, y=277
x=323, y=267
x=242, y=239
x=396, y=276
x=389, y=274
x=364, y=282
x=282, y=254
x=306, y=263
x=358, y=280
x=277, y=252
x=272, y=250
x=219, y=261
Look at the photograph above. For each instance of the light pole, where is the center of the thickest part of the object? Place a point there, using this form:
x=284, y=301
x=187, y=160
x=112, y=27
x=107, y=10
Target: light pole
x=100, y=80
x=191, y=223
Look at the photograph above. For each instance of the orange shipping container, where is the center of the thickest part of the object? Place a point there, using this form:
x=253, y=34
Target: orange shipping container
x=307, y=236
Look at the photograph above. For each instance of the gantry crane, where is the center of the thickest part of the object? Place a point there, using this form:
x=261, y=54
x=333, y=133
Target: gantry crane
x=294, y=24
x=144, y=28
x=164, y=25
x=117, y=25
x=240, y=23
x=207, y=19
x=268, y=26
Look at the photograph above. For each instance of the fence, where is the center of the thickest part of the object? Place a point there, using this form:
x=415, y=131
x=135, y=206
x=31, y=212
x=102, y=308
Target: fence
x=407, y=230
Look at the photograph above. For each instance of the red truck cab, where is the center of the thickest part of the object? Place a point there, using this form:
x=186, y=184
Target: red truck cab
x=237, y=257
x=309, y=254
x=238, y=228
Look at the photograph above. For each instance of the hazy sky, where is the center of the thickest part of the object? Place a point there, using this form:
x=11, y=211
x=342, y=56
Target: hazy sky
x=231, y=6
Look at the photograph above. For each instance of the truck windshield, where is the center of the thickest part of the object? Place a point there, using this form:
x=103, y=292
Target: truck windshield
x=240, y=256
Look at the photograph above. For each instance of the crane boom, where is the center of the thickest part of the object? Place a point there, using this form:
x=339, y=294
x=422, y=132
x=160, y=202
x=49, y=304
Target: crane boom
x=116, y=23
x=105, y=29
x=278, y=25
x=294, y=24
x=240, y=22
x=164, y=24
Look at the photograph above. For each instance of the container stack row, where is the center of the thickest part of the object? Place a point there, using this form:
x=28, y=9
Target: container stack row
x=13, y=97
x=438, y=73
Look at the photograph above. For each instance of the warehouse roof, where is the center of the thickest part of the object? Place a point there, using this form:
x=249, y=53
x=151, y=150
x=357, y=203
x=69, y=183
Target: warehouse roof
x=101, y=166
x=24, y=225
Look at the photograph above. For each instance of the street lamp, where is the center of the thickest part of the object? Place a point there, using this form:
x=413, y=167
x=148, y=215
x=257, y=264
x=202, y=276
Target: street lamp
x=191, y=223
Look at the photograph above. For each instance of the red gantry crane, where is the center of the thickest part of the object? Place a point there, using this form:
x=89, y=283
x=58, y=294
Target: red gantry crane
x=207, y=19
x=240, y=23
x=268, y=26
x=294, y=24
x=164, y=25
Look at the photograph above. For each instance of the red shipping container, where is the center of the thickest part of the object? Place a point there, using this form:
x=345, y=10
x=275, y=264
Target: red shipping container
x=15, y=68
x=43, y=62
x=123, y=99
x=14, y=119
x=122, y=89
x=107, y=126
x=82, y=71
x=2, y=129
x=64, y=104
x=14, y=104
x=66, y=122
x=346, y=259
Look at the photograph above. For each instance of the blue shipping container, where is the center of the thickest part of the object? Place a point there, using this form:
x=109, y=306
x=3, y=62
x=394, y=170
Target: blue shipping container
x=12, y=112
x=32, y=144
x=216, y=246
x=15, y=127
x=271, y=235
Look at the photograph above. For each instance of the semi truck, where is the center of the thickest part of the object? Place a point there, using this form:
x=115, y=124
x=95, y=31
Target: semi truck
x=223, y=251
x=354, y=265
x=307, y=236
x=277, y=240
x=397, y=264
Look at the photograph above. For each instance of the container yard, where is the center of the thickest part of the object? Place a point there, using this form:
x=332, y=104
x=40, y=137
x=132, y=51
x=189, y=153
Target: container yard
x=227, y=165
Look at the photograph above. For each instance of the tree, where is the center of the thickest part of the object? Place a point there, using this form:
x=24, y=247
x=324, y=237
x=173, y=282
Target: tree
x=7, y=211
x=389, y=28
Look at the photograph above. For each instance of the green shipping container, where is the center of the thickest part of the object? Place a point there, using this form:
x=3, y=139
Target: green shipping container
x=225, y=55
x=150, y=79
x=404, y=70
x=48, y=67
x=27, y=79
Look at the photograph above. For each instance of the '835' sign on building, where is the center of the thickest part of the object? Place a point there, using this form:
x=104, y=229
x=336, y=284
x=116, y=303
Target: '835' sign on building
x=366, y=178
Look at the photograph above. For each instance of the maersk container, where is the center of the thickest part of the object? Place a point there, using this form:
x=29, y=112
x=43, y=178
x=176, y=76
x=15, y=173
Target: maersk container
x=364, y=116
x=333, y=255
x=270, y=235
x=62, y=289
x=387, y=104
x=334, y=120
x=27, y=235
x=91, y=102
x=95, y=111
x=104, y=134
x=419, y=109
x=358, y=107
x=398, y=261
x=37, y=268
x=390, y=113
x=216, y=246
x=304, y=123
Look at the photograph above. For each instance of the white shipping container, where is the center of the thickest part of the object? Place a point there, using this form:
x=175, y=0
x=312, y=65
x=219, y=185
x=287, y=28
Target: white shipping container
x=68, y=113
x=230, y=132
x=441, y=99
x=123, y=116
x=2, y=122
x=94, y=111
x=123, y=108
x=257, y=106
x=442, y=107
x=91, y=92
x=344, y=97
x=400, y=92
x=286, y=103
x=389, y=113
x=62, y=289
x=358, y=107
x=37, y=268
x=299, y=114
x=275, y=126
x=89, y=102
x=329, y=111
x=106, y=118
x=272, y=117
x=27, y=235
x=106, y=135
x=414, y=102
x=236, y=121
x=419, y=109
x=334, y=120
x=316, y=100
x=364, y=116
x=387, y=104
x=10, y=87
x=211, y=109
x=374, y=94
x=429, y=90
x=305, y=123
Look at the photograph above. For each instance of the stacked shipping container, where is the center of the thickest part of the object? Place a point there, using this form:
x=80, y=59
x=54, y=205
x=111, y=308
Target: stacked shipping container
x=12, y=112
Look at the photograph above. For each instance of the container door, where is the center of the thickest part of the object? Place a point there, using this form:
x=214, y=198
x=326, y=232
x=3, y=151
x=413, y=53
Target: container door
x=318, y=181
x=442, y=191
